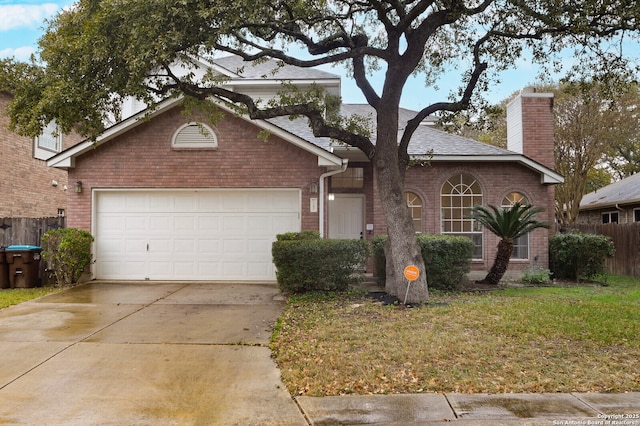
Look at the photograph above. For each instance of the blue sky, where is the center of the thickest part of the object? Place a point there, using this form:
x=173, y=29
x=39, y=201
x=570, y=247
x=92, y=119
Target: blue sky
x=22, y=23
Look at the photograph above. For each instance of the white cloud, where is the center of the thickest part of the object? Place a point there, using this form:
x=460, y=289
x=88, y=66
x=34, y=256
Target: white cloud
x=25, y=16
x=21, y=53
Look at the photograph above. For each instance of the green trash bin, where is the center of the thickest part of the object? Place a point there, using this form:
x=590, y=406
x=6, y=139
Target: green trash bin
x=24, y=266
x=4, y=269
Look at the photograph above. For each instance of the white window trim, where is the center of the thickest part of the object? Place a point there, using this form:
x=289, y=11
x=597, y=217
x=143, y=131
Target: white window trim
x=609, y=213
x=476, y=228
x=45, y=151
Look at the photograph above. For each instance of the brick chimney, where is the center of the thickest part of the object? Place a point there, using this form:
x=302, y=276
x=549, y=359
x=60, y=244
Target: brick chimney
x=530, y=126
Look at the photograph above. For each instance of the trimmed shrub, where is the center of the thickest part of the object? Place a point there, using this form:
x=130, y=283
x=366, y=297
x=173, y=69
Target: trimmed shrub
x=318, y=264
x=295, y=236
x=68, y=252
x=579, y=256
x=447, y=259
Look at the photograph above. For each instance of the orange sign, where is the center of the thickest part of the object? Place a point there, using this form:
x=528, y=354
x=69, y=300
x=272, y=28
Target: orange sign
x=411, y=272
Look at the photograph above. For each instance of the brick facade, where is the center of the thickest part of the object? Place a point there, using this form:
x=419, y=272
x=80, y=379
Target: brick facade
x=143, y=158
x=26, y=184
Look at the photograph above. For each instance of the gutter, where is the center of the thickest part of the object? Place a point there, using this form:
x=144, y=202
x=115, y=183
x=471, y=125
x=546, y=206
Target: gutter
x=345, y=163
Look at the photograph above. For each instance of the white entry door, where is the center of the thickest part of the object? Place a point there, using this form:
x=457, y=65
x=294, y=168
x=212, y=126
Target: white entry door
x=346, y=216
x=191, y=234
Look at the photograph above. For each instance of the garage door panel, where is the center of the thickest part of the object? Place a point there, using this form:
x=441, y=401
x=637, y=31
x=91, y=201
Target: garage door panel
x=185, y=269
x=209, y=224
x=259, y=246
x=284, y=222
x=209, y=247
x=110, y=223
x=233, y=247
x=135, y=223
x=184, y=224
x=184, y=246
x=191, y=235
x=134, y=204
x=160, y=224
x=233, y=225
x=208, y=202
x=135, y=246
x=209, y=270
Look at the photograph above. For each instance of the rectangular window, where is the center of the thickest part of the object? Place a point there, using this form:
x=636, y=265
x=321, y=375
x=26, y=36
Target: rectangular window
x=521, y=247
x=353, y=177
x=610, y=217
x=50, y=139
x=636, y=215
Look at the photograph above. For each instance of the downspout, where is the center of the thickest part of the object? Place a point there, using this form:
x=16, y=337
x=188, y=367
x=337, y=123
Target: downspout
x=345, y=162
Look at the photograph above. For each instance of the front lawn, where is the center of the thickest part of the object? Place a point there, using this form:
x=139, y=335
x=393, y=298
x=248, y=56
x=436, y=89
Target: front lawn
x=579, y=338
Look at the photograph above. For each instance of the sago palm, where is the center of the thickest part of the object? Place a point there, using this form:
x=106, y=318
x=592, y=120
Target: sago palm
x=508, y=224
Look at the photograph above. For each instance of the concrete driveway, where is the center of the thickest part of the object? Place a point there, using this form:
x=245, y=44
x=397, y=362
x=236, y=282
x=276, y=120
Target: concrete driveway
x=144, y=353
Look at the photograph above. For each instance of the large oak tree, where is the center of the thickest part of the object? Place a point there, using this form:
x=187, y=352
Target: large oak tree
x=101, y=50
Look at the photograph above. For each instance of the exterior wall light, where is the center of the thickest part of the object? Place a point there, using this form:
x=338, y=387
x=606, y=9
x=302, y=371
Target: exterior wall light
x=78, y=186
x=313, y=188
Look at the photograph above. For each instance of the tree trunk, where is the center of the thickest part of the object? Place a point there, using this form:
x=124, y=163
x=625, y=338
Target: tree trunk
x=402, y=249
x=501, y=263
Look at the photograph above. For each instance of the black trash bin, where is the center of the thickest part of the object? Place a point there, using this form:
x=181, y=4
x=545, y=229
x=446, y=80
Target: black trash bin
x=24, y=266
x=4, y=270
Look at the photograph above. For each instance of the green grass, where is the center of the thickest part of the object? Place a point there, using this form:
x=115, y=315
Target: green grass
x=14, y=296
x=547, y=339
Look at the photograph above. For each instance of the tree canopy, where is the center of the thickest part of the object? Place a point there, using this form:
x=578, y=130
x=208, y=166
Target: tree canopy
x=100, y=51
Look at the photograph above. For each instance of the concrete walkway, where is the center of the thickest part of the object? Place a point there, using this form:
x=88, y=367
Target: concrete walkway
x=197, y=354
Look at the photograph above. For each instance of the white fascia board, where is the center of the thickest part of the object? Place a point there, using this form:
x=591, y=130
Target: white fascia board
x=66, y=159
x=547, y=176
x=278, y=82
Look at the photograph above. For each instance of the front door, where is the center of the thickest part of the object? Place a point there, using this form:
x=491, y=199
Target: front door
x=346, y=216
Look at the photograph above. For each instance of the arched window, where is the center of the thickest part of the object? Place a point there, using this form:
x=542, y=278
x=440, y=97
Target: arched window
x=520, y=244
x=458, y=195
x=415, y=210
x=194, y=135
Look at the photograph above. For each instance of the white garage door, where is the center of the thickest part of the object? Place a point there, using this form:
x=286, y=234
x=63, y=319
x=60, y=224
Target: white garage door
x=191, y=234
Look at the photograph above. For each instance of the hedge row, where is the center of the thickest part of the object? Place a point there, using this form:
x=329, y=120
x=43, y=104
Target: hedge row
x=579, y=256
x=306, y=263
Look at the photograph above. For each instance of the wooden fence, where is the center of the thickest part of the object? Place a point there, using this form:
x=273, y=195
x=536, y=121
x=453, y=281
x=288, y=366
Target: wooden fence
x=27, y=231
x=626, y=238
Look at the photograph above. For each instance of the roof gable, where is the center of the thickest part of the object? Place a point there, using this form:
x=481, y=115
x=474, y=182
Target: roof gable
x=66, y=159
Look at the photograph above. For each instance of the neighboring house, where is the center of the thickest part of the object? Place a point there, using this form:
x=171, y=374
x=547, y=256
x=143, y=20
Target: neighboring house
x=174, y=197
x=615, y=203
x=28, y=188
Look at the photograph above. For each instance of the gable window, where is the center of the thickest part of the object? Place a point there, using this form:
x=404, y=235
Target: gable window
x=415, y=210
x=458, y=195
x=352, y=178
x=50, y=138
x=194, y=135
x=48, y=143
x=610, y=217
x=520, y=244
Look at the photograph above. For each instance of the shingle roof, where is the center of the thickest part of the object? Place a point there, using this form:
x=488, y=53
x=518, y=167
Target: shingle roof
x=624, y=191
x=249, y=70
x=425, y=139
